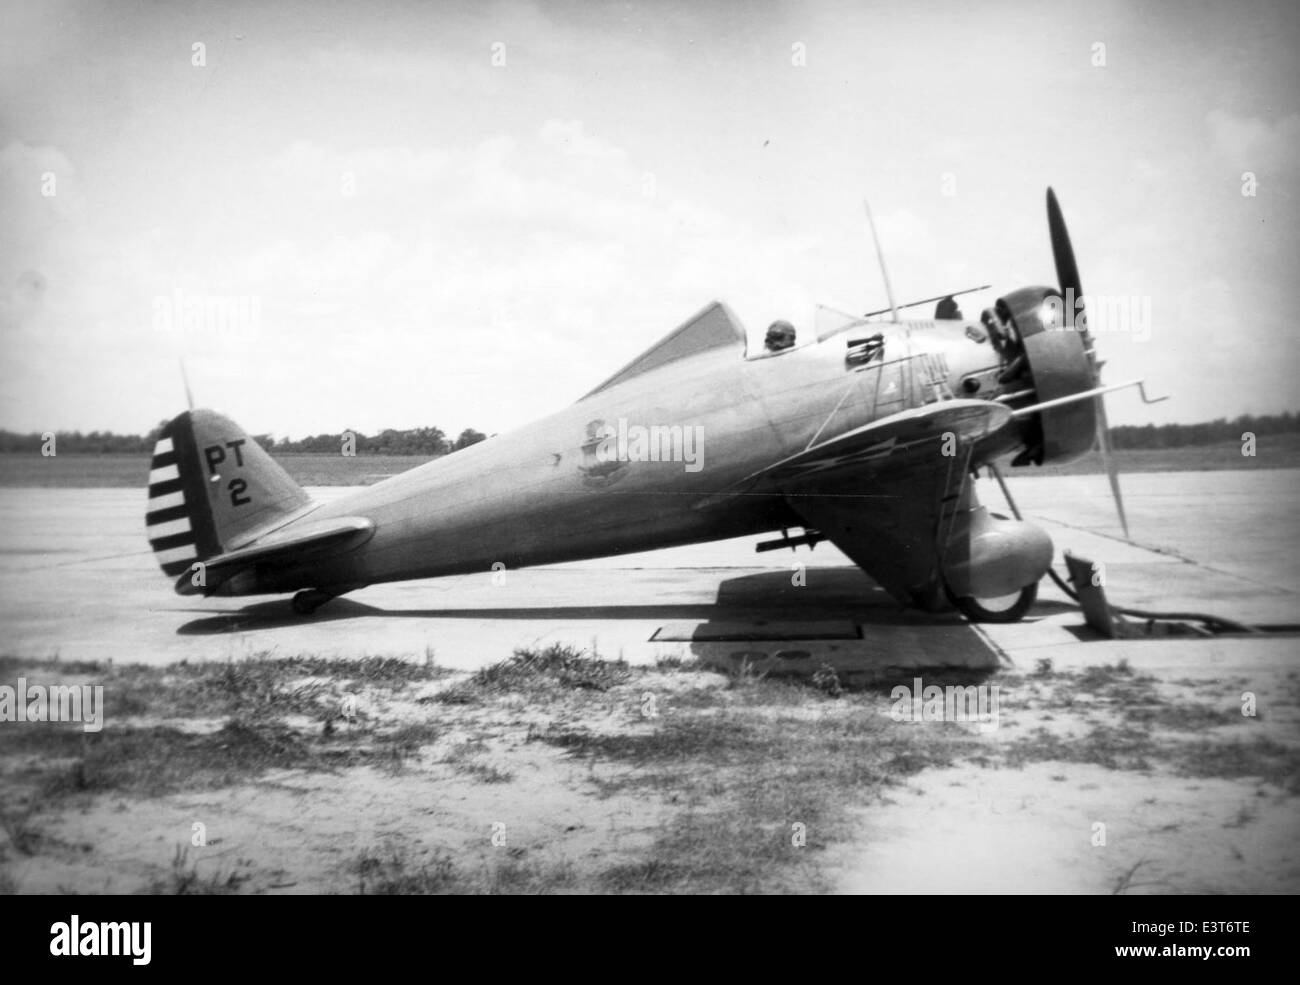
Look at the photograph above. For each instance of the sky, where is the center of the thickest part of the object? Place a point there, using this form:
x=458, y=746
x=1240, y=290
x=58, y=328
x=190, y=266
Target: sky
x=347, y=215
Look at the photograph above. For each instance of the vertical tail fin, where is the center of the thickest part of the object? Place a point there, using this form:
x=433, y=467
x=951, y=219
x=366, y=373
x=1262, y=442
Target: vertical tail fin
x=211, y=489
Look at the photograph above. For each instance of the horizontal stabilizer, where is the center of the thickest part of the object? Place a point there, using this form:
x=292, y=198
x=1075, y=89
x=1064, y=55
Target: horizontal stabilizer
x=303, y=541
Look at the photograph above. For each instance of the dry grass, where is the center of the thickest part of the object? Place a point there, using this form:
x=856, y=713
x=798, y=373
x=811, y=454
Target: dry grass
x=738, y=784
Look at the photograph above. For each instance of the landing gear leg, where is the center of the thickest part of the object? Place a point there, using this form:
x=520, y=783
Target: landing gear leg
x=309, y=600
x=996, y=610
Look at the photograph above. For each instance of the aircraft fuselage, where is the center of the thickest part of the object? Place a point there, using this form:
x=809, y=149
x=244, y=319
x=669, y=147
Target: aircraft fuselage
x=626, y=468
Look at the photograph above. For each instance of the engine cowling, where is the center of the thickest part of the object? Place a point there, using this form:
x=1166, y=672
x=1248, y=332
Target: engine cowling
x=1056, y=363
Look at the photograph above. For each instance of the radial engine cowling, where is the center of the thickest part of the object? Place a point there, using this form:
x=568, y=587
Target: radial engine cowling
x=1056, y=364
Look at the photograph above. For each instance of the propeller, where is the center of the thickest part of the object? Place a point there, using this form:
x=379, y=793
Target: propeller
x=1067, y=276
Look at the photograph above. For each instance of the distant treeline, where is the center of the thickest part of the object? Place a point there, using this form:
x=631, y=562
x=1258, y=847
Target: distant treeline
x=432, y=442
x=1209, y=433
x=429, y=442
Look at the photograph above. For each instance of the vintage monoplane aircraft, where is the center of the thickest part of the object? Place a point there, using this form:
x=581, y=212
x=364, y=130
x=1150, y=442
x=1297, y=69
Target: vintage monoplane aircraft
x=869, y=437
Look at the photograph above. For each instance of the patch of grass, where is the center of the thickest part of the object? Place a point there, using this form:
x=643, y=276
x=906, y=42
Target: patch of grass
x=557, y=666
x=1263, y=757
x=20, y=828
x=1111, y=685
x=763, y=793
x=484, y=772
x=256, y=689
x=1113, y=748
x=745, y=675
x=262, y=685
x=389, y=872
x=414, y=736
x=465, y=760
x=1184, y=717
x=1129, y=748
x=184, y=879
x=460, y=693
x=394, y=748
x=674, y=662
x=644, y=876
x=1100, y=678
x=181, y=749
x=154, y=761
x=704, y=848
x=50, y=739
x=11, y=667
x=826, y=680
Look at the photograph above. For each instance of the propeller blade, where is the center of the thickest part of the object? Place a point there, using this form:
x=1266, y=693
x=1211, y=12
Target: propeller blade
x=1067, y=276
x=1108, y=462
x=1067, y=270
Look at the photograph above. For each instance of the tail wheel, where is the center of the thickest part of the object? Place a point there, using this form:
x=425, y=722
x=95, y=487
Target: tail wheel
x=1007, y=608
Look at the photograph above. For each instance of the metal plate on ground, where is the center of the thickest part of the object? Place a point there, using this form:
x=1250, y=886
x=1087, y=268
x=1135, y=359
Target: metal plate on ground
x=885, y=652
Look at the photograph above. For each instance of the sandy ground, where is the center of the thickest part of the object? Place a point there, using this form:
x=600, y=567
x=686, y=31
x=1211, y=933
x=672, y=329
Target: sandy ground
x=514, y=815
x=1168, y=827
x=1187, y=795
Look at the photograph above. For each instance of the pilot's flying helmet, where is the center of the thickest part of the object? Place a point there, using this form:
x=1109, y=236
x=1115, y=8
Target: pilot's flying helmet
x=780, y=335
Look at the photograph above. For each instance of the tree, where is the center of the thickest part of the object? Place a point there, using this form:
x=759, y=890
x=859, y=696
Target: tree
x=468, y=437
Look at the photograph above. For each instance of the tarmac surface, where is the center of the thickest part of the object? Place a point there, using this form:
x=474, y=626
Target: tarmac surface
x=78, y=581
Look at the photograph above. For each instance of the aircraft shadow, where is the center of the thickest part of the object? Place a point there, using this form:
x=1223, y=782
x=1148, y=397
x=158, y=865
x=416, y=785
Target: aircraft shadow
x=828, y=593
x=274, y=615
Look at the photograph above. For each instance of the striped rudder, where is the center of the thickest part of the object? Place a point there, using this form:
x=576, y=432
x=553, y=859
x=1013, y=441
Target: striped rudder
x=179, y=525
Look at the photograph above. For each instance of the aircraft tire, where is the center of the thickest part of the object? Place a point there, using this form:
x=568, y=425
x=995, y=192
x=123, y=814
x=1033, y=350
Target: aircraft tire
x=973, y=610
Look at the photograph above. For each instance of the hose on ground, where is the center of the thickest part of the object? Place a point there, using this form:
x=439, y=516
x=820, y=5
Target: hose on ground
x=1218, y=622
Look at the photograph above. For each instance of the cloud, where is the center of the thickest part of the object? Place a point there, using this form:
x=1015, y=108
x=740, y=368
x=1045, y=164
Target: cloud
x=21, y=301
x=571, y=137
x=42, y=231
x=1254, y=144
x=408, y=301
x=39, y=190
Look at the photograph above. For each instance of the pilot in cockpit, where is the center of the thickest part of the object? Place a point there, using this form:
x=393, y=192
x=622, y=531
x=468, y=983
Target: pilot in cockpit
x=947, y=309
x=780, y=336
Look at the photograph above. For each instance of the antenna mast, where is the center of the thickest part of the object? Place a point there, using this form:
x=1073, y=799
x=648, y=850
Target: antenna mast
x=881, y=257
x=189, y=397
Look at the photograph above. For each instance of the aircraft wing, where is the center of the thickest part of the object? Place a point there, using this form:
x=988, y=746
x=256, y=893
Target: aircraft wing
x=892, y=528
x=306, y=540
x=883, y=493
x=899, y=444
